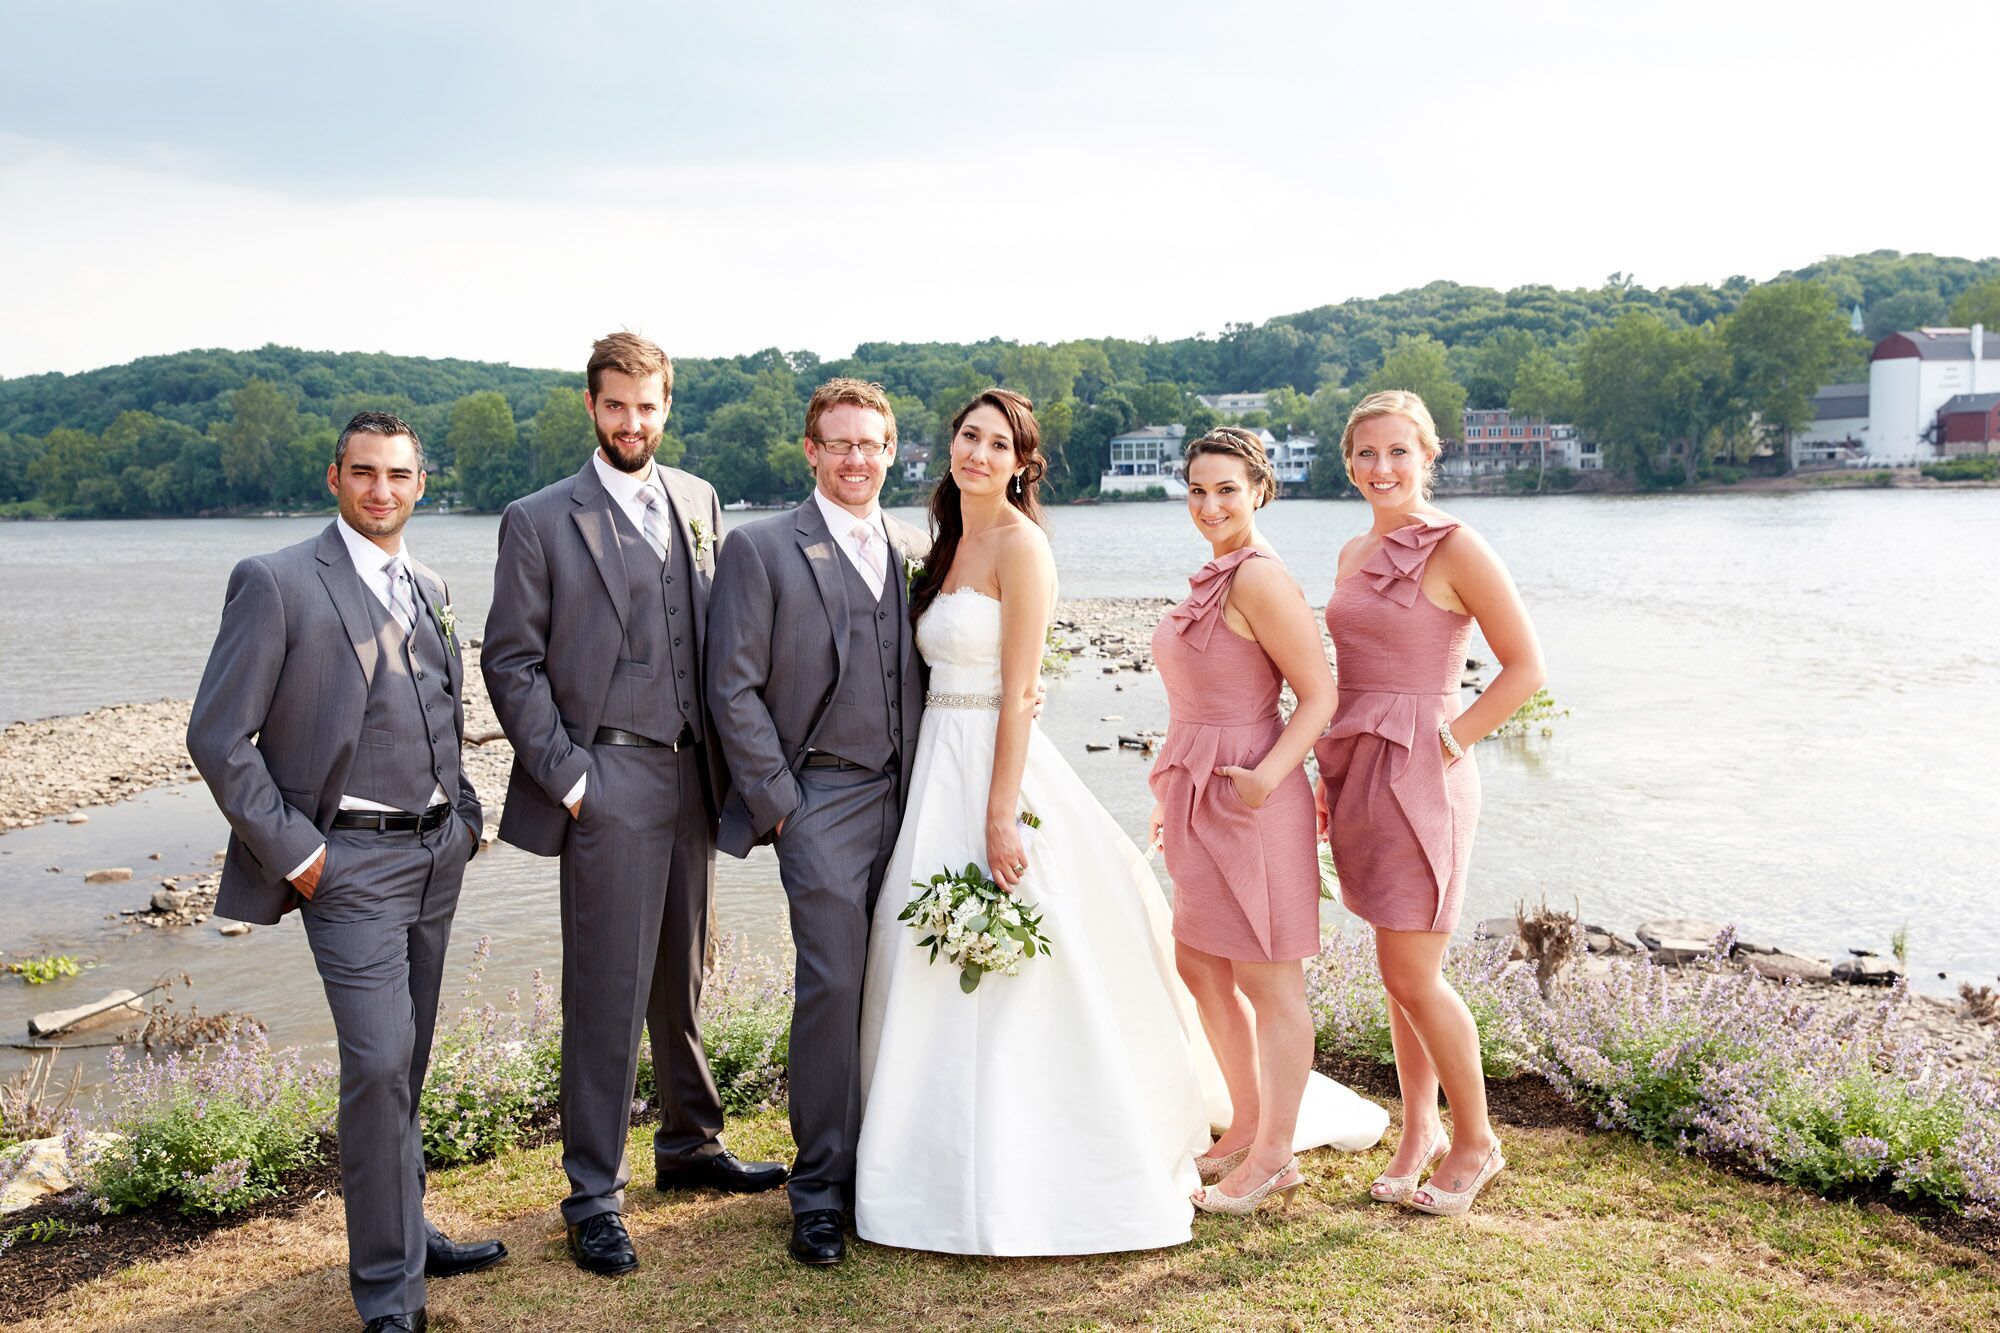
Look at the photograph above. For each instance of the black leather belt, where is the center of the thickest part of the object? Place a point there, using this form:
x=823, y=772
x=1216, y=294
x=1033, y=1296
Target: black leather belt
x=619, y=736
x=393, y=821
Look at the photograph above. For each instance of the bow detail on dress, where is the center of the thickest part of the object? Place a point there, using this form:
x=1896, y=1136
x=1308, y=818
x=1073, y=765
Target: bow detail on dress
x=1397, y=567
x=1208, y=590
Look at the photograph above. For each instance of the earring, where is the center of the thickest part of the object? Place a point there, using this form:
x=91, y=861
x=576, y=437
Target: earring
x=1017, y=483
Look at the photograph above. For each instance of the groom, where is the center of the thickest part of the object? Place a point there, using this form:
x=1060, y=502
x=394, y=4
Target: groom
x=593, y=661
x=817, y=691
x=328, y=724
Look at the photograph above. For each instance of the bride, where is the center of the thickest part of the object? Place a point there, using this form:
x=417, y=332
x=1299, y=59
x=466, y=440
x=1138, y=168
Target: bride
x=1059, y=1110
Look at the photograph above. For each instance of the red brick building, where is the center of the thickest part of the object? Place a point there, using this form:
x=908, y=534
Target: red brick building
x=1969, y=423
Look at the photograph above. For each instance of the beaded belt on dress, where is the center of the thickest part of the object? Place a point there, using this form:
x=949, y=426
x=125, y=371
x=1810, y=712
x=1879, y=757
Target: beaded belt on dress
x=944, y=699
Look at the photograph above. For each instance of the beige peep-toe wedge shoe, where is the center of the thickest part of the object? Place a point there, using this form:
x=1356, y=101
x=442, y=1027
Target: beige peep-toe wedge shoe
x=1213, y=1169
x=1398, y=1189
x=1213, y=1200
x=1445, y=1203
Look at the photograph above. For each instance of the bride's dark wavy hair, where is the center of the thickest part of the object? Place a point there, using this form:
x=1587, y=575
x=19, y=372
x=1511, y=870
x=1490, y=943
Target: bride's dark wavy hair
x=947, y=523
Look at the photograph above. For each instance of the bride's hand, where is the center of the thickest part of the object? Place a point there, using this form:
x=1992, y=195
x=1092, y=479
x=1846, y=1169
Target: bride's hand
x=1156, y=828
x=1320, y=815
x=1006, y=860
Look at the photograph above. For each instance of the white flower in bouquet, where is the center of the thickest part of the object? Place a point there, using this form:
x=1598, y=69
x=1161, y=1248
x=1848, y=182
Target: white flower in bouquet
x=973, y=924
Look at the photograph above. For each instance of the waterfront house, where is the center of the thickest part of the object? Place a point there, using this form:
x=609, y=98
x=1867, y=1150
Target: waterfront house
x=1143, y=459
x=1839, y=428
x=914, y=460
x=1497, y=441
x=1912, y=375
x=1969, y=425
x=1228, y=405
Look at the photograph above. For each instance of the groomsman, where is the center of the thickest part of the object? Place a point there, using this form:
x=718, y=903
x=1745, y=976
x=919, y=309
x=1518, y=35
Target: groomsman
x=815, y=682
x=328, y=725
x=593, y=660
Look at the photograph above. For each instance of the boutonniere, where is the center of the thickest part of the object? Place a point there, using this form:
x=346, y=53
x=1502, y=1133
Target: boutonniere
x=913, y=569
x=448, y=622
x=699, y=535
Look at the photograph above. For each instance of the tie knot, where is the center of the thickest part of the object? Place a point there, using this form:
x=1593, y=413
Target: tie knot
x=862, y=533
x=394, y=568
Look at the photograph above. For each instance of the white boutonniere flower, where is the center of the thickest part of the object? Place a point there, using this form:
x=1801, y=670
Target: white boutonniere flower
x=448, y=622
x=913, y=569
x=699, y=536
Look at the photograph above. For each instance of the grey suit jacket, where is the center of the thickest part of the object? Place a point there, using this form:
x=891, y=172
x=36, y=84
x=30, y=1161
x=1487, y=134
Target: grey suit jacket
x=555, y=631
x=279, y=710
x=775, y=639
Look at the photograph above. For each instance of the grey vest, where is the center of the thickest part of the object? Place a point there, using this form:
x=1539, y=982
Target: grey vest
x=655, y=685
x=864, y=722
x=409, y=736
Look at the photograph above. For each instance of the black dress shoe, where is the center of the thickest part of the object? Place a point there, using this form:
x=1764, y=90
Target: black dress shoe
x=724, y=1171
x=817, y=1237
x=599, y=1245
x=445, y=1257
x=413, y=1322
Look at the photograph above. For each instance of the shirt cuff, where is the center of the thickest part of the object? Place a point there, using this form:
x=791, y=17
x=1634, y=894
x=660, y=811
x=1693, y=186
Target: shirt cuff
x=575, y=793
x=305, y=864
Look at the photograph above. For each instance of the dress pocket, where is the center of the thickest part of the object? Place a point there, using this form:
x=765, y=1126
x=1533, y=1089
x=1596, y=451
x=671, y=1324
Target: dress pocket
x=379, y=737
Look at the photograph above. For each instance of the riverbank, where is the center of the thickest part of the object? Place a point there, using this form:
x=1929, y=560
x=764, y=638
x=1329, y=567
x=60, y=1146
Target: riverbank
x=65, y=766
x=1584, y=1229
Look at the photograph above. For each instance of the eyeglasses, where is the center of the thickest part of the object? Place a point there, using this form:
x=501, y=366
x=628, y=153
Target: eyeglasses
x=842, y=448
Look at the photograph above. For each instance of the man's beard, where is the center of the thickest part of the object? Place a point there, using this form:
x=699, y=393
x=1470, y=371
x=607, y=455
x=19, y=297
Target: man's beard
x=620, y=460
x=369, y=526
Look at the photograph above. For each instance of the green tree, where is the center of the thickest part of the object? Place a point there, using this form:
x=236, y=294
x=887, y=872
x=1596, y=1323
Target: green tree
x=1045, y=374
x=1915, y=308
x=563, y=436
x=263, y=419
x=1491, y=368
x=17, y=455
x=1784, y=341
x=1418, y=363
x=1326, y=417
x=1058, y=423
x=493, y=464
x=1978, y=304
x=1543, y=387
x=1653, y=394
x=70, y=461
x=300, y=475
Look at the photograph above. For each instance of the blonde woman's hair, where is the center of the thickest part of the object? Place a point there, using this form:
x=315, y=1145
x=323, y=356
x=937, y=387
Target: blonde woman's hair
x=1395, y=403
x=1244, y=445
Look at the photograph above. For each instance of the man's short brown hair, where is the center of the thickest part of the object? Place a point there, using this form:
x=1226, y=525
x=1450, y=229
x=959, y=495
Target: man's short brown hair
x=630, y=354
x=857, y=393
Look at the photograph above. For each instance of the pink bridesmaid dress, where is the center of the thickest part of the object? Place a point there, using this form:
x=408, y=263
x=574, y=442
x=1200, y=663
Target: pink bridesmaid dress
x=1246, y=882
x=1402, y=822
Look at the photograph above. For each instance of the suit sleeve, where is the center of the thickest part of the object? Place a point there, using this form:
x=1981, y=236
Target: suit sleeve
x=515, y=656
x=742, y=613
x=229, y=710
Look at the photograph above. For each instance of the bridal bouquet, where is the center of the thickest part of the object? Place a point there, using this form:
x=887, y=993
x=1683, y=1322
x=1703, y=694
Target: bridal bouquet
x=974, y=924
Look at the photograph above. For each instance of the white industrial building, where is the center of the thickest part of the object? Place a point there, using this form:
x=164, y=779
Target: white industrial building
x=1839, y=428
x=1912, y=375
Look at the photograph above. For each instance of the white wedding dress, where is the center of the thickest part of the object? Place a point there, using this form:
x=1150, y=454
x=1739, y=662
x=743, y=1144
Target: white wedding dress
x=1057, y=1111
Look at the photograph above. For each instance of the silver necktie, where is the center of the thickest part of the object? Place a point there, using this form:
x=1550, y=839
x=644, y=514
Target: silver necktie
x=656, y=526
x=402, y=600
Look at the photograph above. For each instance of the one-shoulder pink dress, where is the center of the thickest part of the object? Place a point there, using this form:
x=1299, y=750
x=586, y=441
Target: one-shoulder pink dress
x=1246, y=882
x=1402, y=822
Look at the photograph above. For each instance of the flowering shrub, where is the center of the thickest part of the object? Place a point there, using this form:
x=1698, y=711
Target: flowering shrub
x=1350, y=1010
x=1733, y=1066
x=746, y=1027
x=212, y=1132
x=492, y=1072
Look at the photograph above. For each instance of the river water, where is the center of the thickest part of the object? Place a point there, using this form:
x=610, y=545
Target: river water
x=1782, y=715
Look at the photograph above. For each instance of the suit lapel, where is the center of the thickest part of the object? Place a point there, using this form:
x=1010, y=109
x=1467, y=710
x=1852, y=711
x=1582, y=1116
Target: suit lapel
x=431, y=588
x=823, y=557
x=343, y=585
x=600, y=535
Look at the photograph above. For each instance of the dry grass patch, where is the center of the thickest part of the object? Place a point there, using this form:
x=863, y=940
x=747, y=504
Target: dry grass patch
x=1583, y=1231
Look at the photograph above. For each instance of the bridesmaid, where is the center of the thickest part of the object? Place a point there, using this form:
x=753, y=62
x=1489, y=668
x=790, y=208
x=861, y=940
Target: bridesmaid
x=1235, y=814
x=1399, y=795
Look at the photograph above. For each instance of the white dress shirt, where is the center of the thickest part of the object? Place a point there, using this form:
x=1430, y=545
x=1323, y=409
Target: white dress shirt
x=841, y=523
x=625, y=488
x=370, y=562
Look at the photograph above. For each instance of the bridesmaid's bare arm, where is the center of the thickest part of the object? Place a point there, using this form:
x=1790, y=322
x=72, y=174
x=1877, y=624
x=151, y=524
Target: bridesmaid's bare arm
x=1027, y=576
x=1483, y=587
x=1282, y=624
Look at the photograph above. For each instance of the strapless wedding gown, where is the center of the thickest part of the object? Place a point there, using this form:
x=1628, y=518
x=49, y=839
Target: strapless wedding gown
x=1057, y=1111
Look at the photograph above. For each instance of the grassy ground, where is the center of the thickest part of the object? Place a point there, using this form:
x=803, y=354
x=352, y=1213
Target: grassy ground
x=1585, y=1230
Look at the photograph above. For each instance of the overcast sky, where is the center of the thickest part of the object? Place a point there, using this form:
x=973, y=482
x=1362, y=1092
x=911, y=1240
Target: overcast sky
x=506, y=180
